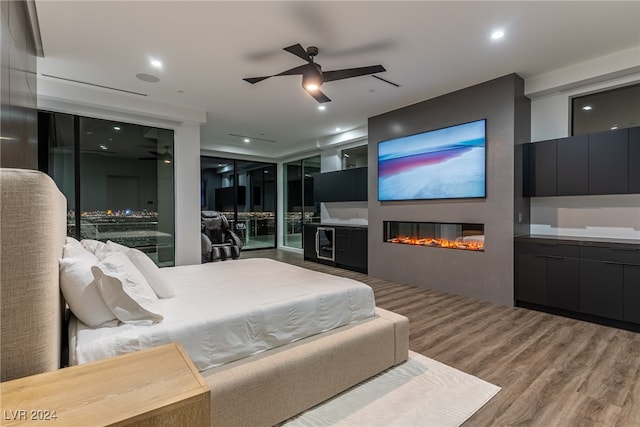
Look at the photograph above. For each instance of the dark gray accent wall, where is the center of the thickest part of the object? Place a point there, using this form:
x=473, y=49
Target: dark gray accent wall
x=484, y=275
x=18, y=97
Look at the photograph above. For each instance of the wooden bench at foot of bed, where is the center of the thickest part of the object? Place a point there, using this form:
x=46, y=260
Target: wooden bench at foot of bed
x=268, y=388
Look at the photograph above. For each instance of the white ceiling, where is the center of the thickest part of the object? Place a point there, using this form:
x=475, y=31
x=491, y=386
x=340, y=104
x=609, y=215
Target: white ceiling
x=207, y=47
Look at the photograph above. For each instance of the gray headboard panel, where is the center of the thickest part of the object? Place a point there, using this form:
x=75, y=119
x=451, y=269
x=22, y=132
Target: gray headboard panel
x=32, y=233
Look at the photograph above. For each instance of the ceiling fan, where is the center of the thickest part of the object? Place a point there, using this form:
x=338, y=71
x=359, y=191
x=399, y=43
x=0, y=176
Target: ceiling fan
x=164, y=157
x=312, y=75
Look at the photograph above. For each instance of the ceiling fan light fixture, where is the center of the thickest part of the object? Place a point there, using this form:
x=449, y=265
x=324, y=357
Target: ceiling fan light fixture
x=165, y=157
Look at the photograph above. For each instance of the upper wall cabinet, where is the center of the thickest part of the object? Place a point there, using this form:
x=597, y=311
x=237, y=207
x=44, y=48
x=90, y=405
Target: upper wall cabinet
x=348, y=185
x=598, y=163
x=634, y=160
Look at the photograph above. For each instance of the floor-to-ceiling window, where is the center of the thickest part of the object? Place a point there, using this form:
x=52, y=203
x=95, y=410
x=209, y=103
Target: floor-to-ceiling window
x=245, y=193
x=117, y=177
x=299, y=205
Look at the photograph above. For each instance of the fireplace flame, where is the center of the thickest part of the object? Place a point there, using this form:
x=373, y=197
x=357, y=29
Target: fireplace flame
x=438, y=243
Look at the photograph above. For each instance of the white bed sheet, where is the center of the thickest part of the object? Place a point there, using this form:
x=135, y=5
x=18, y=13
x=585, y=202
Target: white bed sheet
x=228, y=310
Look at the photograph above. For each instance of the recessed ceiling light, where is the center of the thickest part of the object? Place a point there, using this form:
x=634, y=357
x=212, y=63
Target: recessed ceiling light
x=247, y=140
x=103, y=147
x=116, y=127
x=587, y=108
x=321, y=107
x=614, y=127
x=497, y=35
x=155, y=63
x=338, y=129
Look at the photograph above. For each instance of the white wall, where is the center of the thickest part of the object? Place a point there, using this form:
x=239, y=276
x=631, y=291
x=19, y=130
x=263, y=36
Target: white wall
x=609, y=216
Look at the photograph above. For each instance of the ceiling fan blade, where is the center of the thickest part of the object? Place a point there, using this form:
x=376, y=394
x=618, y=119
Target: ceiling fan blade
x=295, y=70
x=254, y=80
x=329, y=76
x=298, y=51
x=319, y=96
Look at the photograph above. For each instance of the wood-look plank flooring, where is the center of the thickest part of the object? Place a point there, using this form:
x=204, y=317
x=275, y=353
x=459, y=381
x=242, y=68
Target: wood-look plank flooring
x=553, y=371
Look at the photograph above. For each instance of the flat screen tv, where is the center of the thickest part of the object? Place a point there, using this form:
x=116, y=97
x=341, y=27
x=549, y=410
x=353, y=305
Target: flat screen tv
x=446, y=163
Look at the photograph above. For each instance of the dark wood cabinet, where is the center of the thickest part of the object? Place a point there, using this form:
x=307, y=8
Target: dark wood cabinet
x=532, y=279
x=309, y=242
x=543, y=166
x=608, y=162
x=597, y=279
x=563, y=290
x=572, y=166
x=350, y=246
x=634, y=160
x=598, y=163
x=347, y=185
x=631, y=305
x=548, y=275
x=601, y=288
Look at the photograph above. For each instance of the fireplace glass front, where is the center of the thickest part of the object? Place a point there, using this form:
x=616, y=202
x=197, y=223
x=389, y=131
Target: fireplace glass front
x=464, y=236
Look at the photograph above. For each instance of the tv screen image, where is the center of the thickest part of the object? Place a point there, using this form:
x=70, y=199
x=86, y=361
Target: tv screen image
x=446, y=163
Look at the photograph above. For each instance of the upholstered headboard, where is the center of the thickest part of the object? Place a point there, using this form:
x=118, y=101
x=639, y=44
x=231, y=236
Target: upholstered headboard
x=32, y=234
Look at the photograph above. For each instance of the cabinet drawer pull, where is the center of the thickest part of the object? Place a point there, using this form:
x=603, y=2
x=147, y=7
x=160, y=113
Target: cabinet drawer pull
x=549, y=244
x=626, y=249
x=612, y=263
x=554, y=257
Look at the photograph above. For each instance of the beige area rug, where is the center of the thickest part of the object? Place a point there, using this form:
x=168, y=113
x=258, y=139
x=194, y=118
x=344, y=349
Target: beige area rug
x=420, y=392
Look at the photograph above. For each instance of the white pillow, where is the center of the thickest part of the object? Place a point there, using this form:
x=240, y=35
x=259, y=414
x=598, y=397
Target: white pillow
x=117, y=247
x=81, y=291
x=151, y=272
x=93, y=245
x=125, y=291
x=72, y=248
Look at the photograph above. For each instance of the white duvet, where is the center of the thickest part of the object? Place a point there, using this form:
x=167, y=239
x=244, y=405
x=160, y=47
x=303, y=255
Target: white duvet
x=228, y=310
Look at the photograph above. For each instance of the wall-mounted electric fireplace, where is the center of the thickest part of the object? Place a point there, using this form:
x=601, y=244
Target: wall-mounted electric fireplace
x=469, y=237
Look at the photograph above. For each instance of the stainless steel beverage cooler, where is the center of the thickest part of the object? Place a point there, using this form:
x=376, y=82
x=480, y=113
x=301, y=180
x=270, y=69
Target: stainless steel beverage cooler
x=324, y=243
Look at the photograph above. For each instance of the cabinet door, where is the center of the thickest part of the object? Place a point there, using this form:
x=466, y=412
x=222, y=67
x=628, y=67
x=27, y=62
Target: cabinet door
x=631, y=312
x=634, y=160
x=572, y=166
x=359, y=246
x=563, y=283
x=544, y=168
x=309, y=242
x=344, y=252
x=532, y=279
x=360, y=186
x=608, y=162
x=601, y=288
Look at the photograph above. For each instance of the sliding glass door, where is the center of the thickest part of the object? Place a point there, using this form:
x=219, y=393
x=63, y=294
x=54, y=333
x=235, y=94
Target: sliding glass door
x=118, y=180
x=298, y=198
x=245, y=192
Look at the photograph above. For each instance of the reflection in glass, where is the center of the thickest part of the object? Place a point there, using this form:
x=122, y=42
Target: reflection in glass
x=245, y=193
x=125, y=180
x=355, y=157
x=298, y=196
x=611, y=109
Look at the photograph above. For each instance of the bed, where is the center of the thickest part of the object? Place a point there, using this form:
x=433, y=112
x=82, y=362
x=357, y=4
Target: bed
x=283, y=362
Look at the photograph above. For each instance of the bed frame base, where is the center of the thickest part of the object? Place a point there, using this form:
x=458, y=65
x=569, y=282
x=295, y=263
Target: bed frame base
x=268, y=388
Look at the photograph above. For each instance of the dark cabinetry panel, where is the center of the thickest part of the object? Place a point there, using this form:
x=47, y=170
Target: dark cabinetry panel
x=572, y=166
x=634, y=160
x=631, y=309
x=532, y=279
x=562, y=283
x=599, y=163
x=350, y=246
x=608, y=162
x=600, y=280
x=601, y=288
x=341, y=186
x=544, y=168
x=309, y=242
